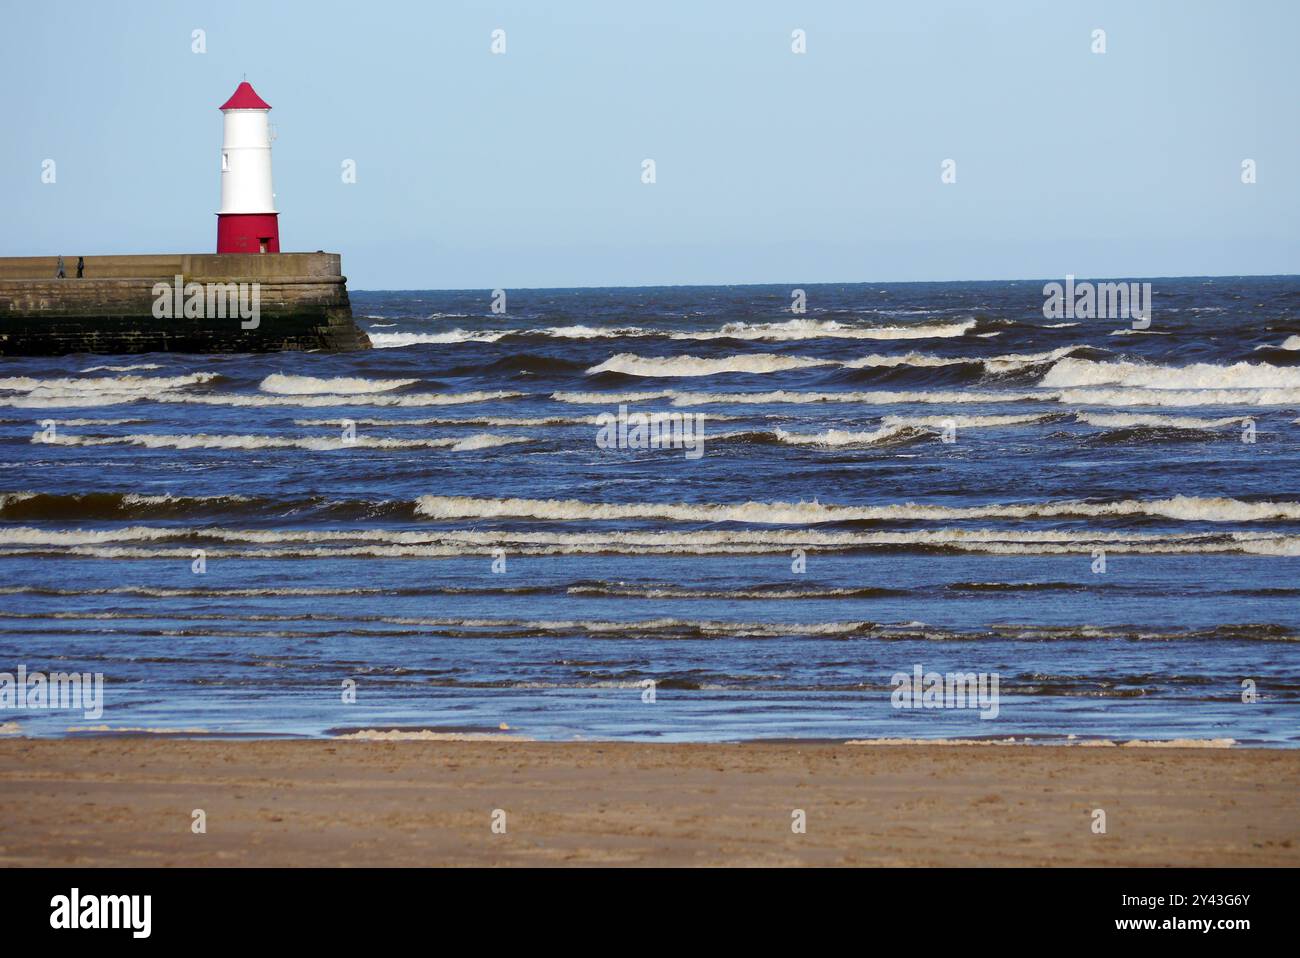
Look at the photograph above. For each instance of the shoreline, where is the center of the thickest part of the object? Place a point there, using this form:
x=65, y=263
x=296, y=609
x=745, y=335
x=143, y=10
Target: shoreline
x=12, y=731
x=122, y=801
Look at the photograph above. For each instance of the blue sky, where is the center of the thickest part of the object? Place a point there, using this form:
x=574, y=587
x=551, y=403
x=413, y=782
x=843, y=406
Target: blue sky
x=478, y=170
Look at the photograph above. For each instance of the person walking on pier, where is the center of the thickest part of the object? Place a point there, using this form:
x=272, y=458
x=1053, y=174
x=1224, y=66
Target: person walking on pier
x=81, y=266
x=61, y=274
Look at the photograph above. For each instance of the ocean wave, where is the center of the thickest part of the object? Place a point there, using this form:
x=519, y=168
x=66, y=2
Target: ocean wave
x=1139, y=421
x=893, y=429
x=1016, y=586
x=398, y=340
x=33, y=393
x=670, y=366
x=1071, y=372
x=615, y=674
x=993, y=364
x=219, y=592
x=1182, y=508
x=121, y=369
x=796, y=329
x=461, y=421
x=1137, y=396
x=94, y=422
x=755, y=592
x=310, y=385
x=313, y=443
x=150, y=543
x=104, y=383
x=588, y=540
x=98, y=505
x=682, y=366
x=880, y=398
x=334, y=399
x=791, y=330
x=836, y=438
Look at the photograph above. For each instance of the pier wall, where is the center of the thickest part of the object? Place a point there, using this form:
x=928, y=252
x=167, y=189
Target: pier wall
x=303, y=304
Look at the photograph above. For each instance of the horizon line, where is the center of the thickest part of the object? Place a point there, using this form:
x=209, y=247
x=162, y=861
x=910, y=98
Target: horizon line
x=785, y=285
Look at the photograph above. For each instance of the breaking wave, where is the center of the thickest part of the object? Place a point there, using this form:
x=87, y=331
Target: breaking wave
x=1071, y=372
x=633, y=365
x=1139, y=421
x=310, y=385
x=894, y=429
x=335, y=399
x=149, y=542
x=1182, y=508
x=313, y=443
x=881, y=398
x=795, y=329
x=31, y=393
x=672, y=366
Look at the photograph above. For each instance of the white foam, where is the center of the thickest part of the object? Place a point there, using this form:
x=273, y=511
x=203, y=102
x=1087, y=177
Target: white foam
x=901, y=427
x=881, y=398
x=1179, y=397
x=1185, y=508
x=426, y=735
x=1070, y=372
x=595, y=332
x=844, y=437
x=796, y=329
x=355, y=399
x=121, y=369
x=965, y=422
x=314, y=443
x=71, y=393
x=139, y=542
x=96, y=422
x=1131, y=421
x=516, y=421
x=143, y=384
x=995, y=364
x=310, y=385
x=397, y=340
x=695, y=366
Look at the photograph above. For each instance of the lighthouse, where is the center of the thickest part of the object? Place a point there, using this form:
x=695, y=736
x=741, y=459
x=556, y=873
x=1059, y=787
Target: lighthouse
x=247, y=221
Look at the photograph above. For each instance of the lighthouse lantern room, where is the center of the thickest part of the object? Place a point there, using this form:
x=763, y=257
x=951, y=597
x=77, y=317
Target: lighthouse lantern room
x=247, y=221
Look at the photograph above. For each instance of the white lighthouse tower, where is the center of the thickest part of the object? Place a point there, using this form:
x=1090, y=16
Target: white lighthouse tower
x=247, y=221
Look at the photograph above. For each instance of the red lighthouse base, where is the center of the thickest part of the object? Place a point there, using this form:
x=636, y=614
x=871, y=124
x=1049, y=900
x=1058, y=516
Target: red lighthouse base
x=248, y=232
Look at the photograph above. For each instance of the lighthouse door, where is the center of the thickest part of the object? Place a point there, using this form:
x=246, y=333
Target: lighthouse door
x=263, y=243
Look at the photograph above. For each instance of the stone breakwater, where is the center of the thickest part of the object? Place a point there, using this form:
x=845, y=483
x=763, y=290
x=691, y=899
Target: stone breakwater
x=114, y=306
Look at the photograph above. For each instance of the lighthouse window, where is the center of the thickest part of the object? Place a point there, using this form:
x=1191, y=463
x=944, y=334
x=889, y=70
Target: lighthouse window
x=225, y=162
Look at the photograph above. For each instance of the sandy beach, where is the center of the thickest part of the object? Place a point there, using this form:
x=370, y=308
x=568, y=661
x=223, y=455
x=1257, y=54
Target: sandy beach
x=130, y=801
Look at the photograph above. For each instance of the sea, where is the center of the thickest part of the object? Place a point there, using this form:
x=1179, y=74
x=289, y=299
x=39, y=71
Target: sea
x=708, y=513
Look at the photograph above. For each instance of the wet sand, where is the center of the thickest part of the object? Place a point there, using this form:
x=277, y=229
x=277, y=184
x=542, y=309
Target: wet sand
x=129, y=801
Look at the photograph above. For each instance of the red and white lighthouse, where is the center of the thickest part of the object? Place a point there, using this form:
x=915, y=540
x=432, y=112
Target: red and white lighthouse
x=247, y=221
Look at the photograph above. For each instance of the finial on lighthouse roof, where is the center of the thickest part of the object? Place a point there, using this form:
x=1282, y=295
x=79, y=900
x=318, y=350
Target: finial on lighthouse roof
x=245, y=98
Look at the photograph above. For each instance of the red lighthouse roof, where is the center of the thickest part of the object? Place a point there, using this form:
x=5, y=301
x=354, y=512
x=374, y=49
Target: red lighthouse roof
x=245, y=98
